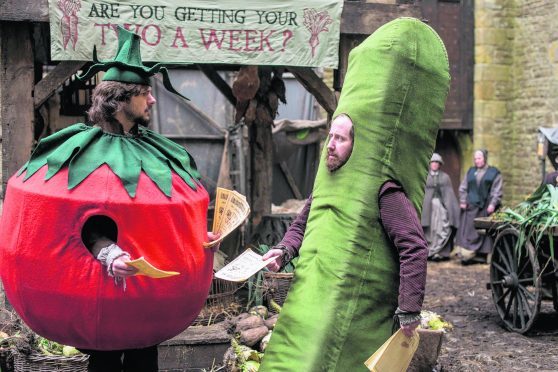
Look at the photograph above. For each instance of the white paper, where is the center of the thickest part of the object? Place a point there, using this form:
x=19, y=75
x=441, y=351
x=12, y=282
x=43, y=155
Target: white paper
x=243, y=267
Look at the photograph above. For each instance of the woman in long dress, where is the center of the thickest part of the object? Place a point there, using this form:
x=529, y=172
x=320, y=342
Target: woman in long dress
x=440, y=211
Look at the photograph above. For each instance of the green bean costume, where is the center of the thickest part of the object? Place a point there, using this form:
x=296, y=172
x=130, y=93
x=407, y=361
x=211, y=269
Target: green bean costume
x=341, y=304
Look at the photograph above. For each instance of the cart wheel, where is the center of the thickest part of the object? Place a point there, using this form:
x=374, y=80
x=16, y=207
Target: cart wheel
x=515, y=282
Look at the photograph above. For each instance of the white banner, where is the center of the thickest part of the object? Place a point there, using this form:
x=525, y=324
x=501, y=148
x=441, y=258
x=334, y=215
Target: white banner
x=264, y=32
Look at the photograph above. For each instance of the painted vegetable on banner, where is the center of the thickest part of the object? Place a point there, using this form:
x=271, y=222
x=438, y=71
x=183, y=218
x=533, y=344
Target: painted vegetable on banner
x=340, y=306
x=149, y=187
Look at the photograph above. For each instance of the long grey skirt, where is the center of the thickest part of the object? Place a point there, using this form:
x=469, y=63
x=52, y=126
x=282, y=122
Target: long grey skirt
x=439, y=233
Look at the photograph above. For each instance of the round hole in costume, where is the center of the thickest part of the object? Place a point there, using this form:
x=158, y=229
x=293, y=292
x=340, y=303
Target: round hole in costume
x=342, y=133
x=98, y=226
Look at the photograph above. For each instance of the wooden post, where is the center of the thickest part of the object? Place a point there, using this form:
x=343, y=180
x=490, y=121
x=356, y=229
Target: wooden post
x=16, y=96
x=16, y=103
x=261, y=170
x=258, y=90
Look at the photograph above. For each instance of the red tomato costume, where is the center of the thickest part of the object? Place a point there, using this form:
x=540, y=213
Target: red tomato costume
x=150, y=187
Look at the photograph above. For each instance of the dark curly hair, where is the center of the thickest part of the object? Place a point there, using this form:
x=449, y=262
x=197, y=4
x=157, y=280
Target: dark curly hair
x=108, y=97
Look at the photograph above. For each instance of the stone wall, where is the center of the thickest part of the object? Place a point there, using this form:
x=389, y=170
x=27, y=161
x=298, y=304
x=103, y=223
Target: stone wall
x=516, y=86
x=535, y=74
x=493, y=81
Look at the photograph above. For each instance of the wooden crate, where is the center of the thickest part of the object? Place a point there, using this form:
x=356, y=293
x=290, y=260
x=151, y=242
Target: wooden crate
x=195, y=349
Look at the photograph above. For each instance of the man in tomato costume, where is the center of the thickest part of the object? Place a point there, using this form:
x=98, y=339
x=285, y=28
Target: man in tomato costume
x=91, y=198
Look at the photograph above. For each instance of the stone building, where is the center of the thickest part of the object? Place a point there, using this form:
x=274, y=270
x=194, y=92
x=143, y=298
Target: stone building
x=515, y=87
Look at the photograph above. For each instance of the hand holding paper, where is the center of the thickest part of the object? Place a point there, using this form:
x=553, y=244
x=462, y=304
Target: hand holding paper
x=145, y=268
x=410, y=329
x=231, y=210
x=243, y=267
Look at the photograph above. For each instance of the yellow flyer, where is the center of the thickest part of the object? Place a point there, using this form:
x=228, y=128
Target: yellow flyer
x=395, y=354
x=145, y=268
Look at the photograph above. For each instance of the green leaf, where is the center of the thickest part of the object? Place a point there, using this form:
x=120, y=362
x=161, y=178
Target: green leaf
x=83, y=149
x=535, y=218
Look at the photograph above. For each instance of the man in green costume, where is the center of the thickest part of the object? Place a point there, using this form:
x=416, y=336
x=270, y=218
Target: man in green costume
x=353, y=260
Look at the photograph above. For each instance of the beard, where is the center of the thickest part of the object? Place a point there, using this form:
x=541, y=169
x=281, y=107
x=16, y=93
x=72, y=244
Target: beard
x=142, y=121
x=335, y=163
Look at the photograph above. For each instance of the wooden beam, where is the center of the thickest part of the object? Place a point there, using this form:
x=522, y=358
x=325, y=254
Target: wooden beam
x=16, y=102
x=261, y=170
x=316, y=86
x=218, y=81
x=47, y=86
x=363, y=18
x=290, y=180
x=24, y=10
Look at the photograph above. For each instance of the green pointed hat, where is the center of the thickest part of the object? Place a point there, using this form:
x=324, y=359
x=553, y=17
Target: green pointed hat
x=127, y=66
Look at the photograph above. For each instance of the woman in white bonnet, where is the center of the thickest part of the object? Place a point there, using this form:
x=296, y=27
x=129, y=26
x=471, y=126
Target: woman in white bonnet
x=440, y=211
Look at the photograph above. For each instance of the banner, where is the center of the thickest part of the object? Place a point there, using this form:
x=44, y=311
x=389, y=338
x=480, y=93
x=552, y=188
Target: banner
x=255, y=32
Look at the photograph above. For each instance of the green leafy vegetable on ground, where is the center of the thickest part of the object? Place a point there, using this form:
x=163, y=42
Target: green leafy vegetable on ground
x=433, y=321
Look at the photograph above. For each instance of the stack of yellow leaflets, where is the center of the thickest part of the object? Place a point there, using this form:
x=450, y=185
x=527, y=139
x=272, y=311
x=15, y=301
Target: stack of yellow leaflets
x=395, y=354
x=231, y=210
x=147, y=269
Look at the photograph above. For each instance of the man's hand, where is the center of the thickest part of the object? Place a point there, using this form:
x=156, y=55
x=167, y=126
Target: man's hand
x=490, y=209
x=211, y=236
x=120, y=269
x=276, y=264
x=463, y=206
x=408, y=329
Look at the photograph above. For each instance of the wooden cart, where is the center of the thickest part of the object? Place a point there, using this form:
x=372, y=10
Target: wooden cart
x=519, y=281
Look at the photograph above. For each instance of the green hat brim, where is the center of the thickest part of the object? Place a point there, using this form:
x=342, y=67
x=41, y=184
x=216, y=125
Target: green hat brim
x=127, y=66
x=117, y=74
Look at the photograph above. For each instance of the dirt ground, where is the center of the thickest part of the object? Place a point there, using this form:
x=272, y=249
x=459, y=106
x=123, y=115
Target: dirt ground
x=478, y=341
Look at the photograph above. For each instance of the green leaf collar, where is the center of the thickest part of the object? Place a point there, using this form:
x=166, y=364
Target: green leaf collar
x=83, y=148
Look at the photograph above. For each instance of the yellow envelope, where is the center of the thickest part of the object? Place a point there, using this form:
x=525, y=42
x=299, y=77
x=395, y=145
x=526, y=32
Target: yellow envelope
x=395, y=354
x=145, y=268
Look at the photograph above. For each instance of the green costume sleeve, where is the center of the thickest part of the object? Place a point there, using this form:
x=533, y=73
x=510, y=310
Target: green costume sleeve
x=340, y=306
